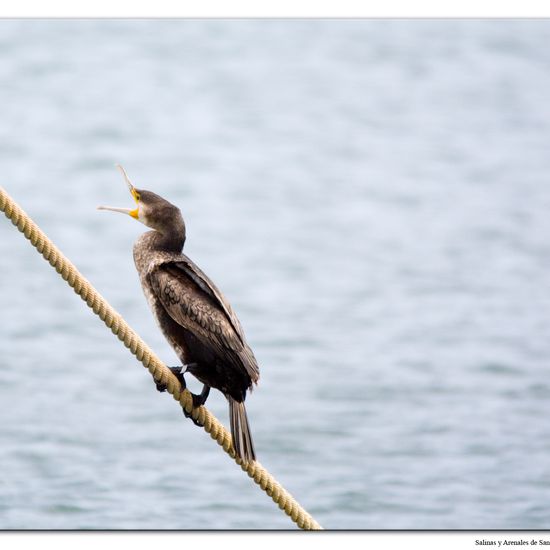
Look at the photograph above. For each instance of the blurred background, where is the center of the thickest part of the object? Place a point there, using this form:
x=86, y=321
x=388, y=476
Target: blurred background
x=372, y=196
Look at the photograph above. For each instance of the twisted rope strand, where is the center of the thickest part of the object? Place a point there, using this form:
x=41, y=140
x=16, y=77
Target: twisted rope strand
x=150, y=361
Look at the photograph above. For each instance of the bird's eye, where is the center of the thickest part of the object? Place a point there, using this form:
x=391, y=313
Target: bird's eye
x=138, y=196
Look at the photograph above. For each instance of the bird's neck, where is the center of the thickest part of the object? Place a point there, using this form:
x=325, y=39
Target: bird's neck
x=168, y=237
x=149, y=244
x=168, y=241
x=172, y=241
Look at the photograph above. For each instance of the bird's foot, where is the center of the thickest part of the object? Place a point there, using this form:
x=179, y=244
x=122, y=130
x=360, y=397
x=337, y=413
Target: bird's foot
x=194, y=420
x=176, y=371
x=198, y=400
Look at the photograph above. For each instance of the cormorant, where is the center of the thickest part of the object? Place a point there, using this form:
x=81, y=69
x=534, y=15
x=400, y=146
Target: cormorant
x=192, y=313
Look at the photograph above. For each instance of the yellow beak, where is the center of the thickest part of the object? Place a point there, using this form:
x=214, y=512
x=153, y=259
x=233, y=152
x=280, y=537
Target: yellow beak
x=135, y=212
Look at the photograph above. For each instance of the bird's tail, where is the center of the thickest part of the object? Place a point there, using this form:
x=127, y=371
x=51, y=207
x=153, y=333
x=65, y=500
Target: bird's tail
x=240, y=431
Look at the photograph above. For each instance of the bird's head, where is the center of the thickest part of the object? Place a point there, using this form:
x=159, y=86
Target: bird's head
x=151, y=209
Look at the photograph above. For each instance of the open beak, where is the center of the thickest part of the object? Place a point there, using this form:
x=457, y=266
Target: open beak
x=134, y=213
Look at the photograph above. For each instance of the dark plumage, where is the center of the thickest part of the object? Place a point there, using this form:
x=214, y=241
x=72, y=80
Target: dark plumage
x=192, y=313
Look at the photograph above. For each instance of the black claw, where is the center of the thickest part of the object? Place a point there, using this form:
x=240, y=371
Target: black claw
x=160, y=386
x=197, y=402
x=188, y=415
x=176, y=371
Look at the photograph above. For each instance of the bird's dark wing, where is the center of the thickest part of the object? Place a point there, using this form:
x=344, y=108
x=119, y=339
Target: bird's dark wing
x=192, y=300
x=207, y=286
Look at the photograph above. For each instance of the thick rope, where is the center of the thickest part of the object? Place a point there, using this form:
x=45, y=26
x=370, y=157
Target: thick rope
x=150, y=361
